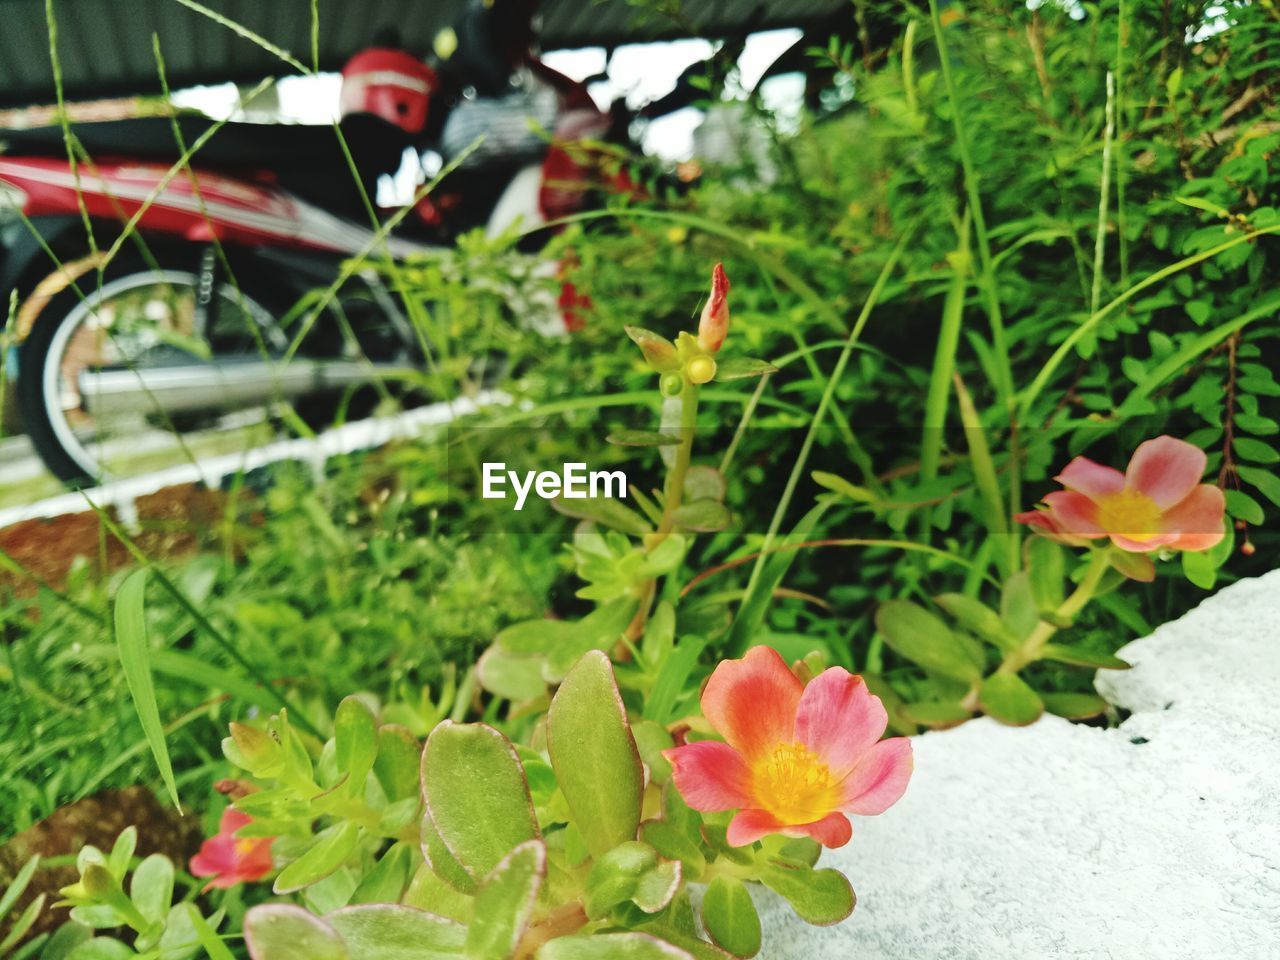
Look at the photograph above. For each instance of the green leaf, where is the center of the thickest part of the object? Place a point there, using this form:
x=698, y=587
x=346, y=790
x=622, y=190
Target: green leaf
x=820, y=897
x=594, y=755
x=281, y=931
x=1244, y=507
x=18, y=885
x=386, y=882
x=1199, y=568
x=510, y=675
x=355, y=734
x=641, y=438
x=937, y=715
x=651, y=739
x=674, y=844
x=976, y=617
x=397, y=763
x=605, y=511
x=427, y=891
x=612, y=946
x=330, y=850
x=504, y=904
x=843, y=487
x=535, y=636
x=1255, y=451
x=1266, y=482
x=704, y=483
x=476, y=795
x=1047, y=571
x=1007, y=697
x=25, y=920
x=105, y=948
x=151, y=887
x=135, y=659
x=918, y=635
x=657, y=349
x=1079, y=657
x=739, y=368
x=703, y=516
x=1074, y=706
x=630, y=871
x=730, y=917
x=1018, y=604
x=389, y=931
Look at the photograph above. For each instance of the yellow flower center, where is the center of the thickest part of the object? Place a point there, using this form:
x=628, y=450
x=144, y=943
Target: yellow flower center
x=1130, y=514
x=245, y=846
x=794, y=785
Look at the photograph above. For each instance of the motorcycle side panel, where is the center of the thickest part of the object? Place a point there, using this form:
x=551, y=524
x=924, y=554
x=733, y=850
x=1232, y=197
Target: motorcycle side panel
x=194, y=205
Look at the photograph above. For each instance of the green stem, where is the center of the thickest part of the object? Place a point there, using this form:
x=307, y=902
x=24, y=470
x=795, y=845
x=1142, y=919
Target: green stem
x=1030, y=649
x=738, y=642
x=1004, y=366
x=674, y=489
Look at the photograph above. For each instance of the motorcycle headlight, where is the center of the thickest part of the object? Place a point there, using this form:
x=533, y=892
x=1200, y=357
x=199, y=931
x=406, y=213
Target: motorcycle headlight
x=12, y=203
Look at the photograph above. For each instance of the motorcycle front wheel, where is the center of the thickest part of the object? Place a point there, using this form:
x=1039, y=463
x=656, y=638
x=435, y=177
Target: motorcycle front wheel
x=133, y=370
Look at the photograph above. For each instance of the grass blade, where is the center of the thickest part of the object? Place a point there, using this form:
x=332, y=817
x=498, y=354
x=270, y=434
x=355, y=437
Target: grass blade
x=135, y=658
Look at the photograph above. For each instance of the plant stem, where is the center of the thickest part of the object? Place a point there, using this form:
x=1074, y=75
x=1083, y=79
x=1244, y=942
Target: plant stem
x=1104, y=190
x=674, y=489
x=1030, y=649
x=1004, y=367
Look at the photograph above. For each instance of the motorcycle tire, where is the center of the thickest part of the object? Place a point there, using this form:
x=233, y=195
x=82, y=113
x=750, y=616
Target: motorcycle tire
x=47, y=428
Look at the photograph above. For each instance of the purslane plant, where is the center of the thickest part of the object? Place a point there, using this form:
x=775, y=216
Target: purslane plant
x=1157, y=507
x=577, y=835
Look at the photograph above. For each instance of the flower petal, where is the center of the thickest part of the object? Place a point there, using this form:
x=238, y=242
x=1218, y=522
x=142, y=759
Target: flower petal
x=232, y=820
x=1197, y=520
x=1073, y=513
x=1166, y=470
x=752, y=702
x=879, y=779
x=1146, y=545
x=833, y=830
x=710, y=775
x=748, y=826
x=217, y=855
x=839, y=719
x=1091, y=479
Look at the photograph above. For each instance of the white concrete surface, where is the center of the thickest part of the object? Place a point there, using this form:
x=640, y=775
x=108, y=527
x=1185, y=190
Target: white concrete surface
x=1157, y=840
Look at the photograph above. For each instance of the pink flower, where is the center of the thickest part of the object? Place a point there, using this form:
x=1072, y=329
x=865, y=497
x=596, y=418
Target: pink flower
x=1157, y=503
x=713, y=326
x=797, y=760
x=229, y=860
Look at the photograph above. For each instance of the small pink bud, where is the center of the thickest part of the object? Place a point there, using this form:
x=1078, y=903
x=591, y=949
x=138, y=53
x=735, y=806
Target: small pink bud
x=714, y=324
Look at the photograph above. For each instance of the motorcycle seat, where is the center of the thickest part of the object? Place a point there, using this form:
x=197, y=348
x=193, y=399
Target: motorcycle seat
x=304, y=159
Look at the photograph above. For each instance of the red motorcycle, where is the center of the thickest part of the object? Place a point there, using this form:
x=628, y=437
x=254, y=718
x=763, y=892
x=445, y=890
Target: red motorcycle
x=173, y=321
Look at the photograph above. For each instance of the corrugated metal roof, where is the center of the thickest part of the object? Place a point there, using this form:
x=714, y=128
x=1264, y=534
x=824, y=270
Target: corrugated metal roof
x=105, y=46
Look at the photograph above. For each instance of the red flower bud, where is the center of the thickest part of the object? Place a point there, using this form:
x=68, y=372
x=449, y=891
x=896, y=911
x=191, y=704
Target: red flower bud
x=714, y=324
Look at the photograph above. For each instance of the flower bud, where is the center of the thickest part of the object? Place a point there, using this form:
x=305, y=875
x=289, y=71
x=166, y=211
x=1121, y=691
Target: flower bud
x=257, y=747
x=701, y=369
x=98, y=882
x=657, y=349
x=714, y=324
x=671, y=384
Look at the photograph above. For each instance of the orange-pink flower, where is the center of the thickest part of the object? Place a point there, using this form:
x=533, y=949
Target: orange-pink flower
x=229, y=859
x=1157, y=503
x=796, y=760
x=713, y=325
